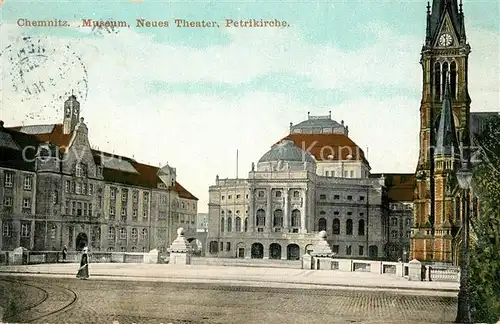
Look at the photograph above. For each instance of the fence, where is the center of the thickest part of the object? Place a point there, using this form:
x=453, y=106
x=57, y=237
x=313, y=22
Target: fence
x=38, y=257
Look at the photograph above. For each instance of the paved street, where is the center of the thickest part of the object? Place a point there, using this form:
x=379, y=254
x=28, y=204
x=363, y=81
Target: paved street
x=114, y=301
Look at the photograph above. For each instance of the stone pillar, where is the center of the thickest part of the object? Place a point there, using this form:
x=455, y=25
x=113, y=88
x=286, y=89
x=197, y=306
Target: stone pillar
x=303, y=214
x=414, y=270
x=233, y=222
x=16, y=230
x=1, y=248
x=269, y=212
x=286, y=217
x=251, y=211
x=32, y=235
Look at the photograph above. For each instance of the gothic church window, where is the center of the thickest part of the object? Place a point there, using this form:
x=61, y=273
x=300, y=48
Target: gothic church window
x=437, y=81
x=453, y=80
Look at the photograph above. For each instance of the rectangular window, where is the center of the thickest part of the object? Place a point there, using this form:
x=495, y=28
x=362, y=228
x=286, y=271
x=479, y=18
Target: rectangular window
x=99, y=201
x=124, y=194
x=134, y=213
x=135, y=196
x=112, y=210
x=327, y=173
x=112, y=193
x=67, y=206
x=78, y=188
x=7, y=229
x=348, y=250
x=91, y=189
x=90, y=210
x=26, y=203
x=8, y=179
x=335, y=249
x=336, y=197
x=361, y=198
x=123, y=233
x=124, y=211
x=394, y=221
x=25, y=230
x=361, y=250
x=78, y=209
x=352, y=173
x=7, y=201
x=111, y=233
x=84, y=188
x=322, y=197
x=67, y=186
x=349, y=197
x=238, y=196
x=28, y=182
x=73, y=208
x=85, y=210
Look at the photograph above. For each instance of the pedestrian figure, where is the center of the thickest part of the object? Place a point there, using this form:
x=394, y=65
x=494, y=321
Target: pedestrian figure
x=83, y=271
x=64, y=252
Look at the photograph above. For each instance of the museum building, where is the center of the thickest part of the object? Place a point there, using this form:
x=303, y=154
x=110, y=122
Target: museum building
x=56, y=190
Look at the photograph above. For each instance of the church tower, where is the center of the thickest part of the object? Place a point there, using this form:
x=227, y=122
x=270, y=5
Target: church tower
x=71, y=114
x=444, y=122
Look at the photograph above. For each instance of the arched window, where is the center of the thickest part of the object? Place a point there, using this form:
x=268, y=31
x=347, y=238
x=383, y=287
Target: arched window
x=437, y=81
x=229, y=224
x=453, y=80
x=278, y=218
x=238, y=224
x=295, y=218
x=322, y=224
x=336, y=226
x=444, y=75
x=134, y=234
x=144, y=233
x=361, y=227
x=261, y=217
x=222, y=224
x=348, y=227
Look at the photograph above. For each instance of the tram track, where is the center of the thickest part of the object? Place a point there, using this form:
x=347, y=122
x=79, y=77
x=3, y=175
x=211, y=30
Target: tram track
x=56, y=299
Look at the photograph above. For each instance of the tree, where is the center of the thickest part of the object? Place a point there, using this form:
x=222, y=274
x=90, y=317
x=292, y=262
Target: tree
x=484, y=269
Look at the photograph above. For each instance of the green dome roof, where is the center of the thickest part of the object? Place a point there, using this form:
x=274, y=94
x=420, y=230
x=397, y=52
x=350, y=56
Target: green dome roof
x=286, y=150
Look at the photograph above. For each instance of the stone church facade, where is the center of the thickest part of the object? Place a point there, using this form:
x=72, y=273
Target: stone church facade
x=56, y=190
x=446, y=129
x=314, y=179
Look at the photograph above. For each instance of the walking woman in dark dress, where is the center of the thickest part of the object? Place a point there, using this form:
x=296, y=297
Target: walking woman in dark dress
x=83, y=272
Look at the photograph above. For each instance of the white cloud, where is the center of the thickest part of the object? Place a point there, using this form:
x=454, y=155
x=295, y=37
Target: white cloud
x=199, y=134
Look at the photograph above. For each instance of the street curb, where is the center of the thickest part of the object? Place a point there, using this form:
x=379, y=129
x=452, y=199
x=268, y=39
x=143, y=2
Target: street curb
x=447, y=290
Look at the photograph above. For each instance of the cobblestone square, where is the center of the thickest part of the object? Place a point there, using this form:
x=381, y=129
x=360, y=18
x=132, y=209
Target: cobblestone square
x=61, y=300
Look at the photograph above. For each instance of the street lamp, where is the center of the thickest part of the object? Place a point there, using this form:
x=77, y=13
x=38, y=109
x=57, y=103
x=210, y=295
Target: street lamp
x=464, y=178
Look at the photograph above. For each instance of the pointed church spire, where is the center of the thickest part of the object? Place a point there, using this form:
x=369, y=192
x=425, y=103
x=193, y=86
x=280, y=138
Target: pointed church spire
x=446, y=142
x=439, y=10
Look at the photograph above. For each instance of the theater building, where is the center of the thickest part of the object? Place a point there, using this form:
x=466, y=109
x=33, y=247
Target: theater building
x=314, y=179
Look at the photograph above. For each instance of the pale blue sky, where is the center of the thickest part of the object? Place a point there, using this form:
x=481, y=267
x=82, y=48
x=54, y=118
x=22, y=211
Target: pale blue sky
x=193, y=96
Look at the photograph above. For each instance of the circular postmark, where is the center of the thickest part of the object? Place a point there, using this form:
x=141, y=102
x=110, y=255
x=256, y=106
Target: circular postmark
x=37, y=70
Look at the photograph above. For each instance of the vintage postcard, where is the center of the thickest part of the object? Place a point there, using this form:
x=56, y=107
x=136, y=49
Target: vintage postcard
x=234, y=162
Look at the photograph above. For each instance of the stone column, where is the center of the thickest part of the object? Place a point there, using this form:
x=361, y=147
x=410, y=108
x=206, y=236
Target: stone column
x=16, y=230
x=303, y=214
x=251, y=211
x=1, y=242
x=286, y=211
x=269, y=212
x=233, y=222
x=32, y=234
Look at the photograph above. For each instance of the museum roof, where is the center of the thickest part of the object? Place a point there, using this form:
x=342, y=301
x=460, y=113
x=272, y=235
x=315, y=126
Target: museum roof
x=120, y=169
x=326, y=147
x=399, y=185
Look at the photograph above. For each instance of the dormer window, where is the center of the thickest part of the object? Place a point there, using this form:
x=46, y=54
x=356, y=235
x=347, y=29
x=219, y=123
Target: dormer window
x=80, y=170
